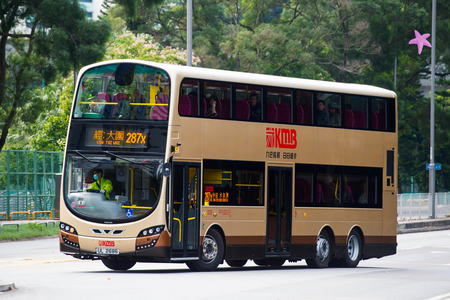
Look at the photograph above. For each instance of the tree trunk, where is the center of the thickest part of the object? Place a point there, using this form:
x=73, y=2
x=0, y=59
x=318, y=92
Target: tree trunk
x=3, y=41
x=7, y=124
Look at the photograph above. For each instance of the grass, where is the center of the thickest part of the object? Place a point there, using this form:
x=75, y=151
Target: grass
x=30, y=230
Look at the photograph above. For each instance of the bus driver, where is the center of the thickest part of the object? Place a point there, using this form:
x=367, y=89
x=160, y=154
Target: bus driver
x=102, y=184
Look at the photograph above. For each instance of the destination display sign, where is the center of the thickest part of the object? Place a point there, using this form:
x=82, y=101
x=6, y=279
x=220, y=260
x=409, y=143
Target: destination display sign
x=128, y=137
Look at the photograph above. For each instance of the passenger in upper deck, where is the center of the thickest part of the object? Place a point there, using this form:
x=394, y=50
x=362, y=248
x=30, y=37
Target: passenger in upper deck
x=323, y=118
x=193, y=96
x=123, y=110
x=335, y=118
x=213, y=110
x=96, y=108
x=135, y=110
x=255, y=108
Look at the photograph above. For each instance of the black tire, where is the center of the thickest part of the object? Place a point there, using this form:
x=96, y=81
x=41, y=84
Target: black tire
x=272, y=262
x=211, y=254
x=236, y=263
x=118, y=265
x=276, y=262
x=323, y=252
x=261, y=262
x=335, y=263
x=353, y=254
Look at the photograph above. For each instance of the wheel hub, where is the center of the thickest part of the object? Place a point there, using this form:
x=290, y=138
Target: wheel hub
x=210, y=248
x=323, y=248
x=353, y=248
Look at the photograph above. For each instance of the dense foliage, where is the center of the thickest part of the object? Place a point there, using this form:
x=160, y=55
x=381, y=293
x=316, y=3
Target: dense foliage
x=41, y=40
x=340, y=40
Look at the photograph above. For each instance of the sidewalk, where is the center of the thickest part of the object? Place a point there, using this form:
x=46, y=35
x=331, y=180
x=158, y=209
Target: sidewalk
x=17, y=223
x=423, y=225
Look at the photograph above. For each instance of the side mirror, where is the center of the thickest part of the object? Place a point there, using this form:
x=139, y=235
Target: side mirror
x=167, y=167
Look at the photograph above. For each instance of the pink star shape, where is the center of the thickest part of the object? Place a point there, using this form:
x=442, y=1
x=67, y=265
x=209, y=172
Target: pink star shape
x=420, y=41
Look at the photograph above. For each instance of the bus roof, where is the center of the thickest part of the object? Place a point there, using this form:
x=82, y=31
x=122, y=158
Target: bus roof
x=260, y=79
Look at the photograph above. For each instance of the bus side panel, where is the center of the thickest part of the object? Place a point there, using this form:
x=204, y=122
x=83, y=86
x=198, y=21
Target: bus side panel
x=244, y=229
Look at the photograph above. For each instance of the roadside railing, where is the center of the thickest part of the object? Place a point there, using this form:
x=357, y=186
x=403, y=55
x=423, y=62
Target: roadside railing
x=418, y=205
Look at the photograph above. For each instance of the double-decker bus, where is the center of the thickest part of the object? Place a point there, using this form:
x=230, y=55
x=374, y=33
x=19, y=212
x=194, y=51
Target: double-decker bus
x=281, y=169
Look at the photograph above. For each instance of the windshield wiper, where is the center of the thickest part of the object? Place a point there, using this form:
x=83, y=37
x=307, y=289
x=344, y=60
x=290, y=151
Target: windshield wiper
x=123, y=158
x=86, y=158
x=146, y=165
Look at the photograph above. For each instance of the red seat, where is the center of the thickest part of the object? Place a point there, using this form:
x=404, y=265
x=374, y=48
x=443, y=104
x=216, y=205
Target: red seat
x=284, y=113
x=300, y=114
x=242, y=110
x=104, y=96
x=302, y=191
x=272, y=112
x=320, y=196
x=374, y=120
x=360, y=119
x=110, y=109
x=349, y=118
x=381, y=120
x=307, y=119
x=160, y=112
x=184, y=107
x=226, y=109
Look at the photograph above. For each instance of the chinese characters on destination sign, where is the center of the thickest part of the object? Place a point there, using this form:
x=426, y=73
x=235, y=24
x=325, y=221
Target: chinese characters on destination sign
x=116, y=138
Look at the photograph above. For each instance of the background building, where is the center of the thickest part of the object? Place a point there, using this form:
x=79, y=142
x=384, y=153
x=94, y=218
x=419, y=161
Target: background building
x=93, y=8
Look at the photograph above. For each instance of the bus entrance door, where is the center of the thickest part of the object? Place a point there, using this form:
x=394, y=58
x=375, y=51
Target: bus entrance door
x=185, y=214
x=279, y=195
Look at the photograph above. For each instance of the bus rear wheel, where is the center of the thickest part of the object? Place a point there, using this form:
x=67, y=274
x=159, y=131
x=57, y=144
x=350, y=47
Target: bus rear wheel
x=354, y=250
x=118, y=265
x=323, y=252
x=211, y=253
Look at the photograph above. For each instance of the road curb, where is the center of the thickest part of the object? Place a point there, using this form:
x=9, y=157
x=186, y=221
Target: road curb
x=4, y=287
x=423, y=225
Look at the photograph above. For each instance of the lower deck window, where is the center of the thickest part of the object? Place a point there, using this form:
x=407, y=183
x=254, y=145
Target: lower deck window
x=332, y=186
x=233, y=183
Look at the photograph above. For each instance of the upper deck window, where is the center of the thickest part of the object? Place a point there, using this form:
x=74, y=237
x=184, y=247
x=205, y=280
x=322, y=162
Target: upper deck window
x=124, y=91
x=262, y=103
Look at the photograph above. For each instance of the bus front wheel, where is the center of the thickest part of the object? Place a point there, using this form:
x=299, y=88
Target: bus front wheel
x=323, y=252
x=211, y=253
x=119, y=265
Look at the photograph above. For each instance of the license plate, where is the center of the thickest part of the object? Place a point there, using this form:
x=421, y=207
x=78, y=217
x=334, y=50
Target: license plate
x=107, y=251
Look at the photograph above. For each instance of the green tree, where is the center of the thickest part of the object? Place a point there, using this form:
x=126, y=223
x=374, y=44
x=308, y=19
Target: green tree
x=59, y=38
x=142, y=46
x=49, y=132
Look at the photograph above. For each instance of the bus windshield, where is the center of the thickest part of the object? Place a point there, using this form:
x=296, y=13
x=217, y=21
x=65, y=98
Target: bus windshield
x=123, y=91
x=112, y=188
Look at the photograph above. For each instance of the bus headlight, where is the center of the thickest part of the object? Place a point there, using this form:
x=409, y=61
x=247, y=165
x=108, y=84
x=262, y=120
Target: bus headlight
x=67, y=228
x=148, y=237
x=69, y=235
x=151, y=231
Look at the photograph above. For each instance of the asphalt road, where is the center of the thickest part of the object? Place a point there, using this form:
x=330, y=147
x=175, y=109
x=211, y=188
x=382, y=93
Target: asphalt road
x=420, y=270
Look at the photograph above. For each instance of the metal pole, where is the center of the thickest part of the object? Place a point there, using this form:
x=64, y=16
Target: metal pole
x=433, y=58
x=395, y=73
x=189, y=33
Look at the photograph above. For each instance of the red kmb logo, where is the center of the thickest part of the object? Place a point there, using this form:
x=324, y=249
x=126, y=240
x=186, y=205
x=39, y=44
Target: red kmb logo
x=106, y=243
x=281, y=138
